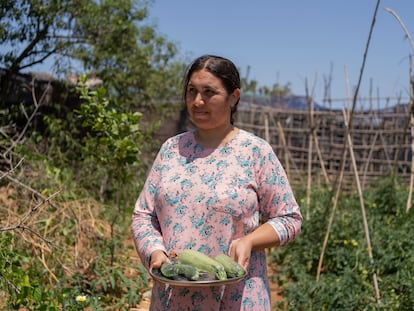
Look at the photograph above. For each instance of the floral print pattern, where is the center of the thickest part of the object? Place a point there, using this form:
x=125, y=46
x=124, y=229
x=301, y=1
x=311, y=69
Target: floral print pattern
x=203, y=199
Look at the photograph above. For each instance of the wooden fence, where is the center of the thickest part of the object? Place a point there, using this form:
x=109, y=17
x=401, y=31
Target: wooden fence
x=381, y=141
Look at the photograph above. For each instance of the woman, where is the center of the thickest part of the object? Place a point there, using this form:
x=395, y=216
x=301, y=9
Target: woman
x=215, y=189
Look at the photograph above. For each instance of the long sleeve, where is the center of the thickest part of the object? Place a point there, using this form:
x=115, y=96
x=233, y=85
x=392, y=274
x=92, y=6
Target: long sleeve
x=145, y=228
x=277, y=202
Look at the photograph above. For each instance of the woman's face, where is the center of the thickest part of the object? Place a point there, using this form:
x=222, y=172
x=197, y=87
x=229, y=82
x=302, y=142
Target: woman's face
x=208, y=103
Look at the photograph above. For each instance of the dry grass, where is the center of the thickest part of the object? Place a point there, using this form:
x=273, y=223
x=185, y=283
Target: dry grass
x=62, y=236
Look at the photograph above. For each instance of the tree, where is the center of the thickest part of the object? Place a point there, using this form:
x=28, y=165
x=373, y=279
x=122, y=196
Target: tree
x=109, y=39
x=281, y=90
x=251, y=86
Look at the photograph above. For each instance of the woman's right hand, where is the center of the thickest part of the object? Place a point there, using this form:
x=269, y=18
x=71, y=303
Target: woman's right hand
x=158, y=257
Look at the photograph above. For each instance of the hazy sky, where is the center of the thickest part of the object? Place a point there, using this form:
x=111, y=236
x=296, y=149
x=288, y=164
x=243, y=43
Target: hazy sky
x=297, y=41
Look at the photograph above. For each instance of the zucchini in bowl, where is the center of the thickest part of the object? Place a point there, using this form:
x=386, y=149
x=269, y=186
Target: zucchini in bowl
x=233, y=269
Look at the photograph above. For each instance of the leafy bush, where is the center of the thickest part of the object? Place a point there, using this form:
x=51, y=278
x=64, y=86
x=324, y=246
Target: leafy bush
x=70, y=249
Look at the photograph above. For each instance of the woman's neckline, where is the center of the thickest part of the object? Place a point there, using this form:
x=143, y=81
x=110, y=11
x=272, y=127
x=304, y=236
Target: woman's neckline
x=226, y=139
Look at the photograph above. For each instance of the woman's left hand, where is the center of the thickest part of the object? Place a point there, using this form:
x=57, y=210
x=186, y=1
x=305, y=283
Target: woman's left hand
x=263, y=237
x=240, y=251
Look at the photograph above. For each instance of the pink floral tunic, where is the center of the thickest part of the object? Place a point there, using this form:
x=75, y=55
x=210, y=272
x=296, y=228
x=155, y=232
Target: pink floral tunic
x=203, y=199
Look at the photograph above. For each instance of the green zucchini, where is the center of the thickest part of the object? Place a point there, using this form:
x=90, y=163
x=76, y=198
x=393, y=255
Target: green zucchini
x=203, y=263
x=233, y=269
x=189, y=271
x=169, y=270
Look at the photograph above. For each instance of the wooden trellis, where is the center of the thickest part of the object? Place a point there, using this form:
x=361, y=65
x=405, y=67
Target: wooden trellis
x=381, y=140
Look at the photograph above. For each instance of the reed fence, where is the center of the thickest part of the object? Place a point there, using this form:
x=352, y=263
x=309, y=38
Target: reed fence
x=315, y=143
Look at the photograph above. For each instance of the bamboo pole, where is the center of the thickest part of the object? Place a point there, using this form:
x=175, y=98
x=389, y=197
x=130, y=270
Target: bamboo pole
x=344, y=154
x=410, y=194
x=407, y=33
x=309, y=184
x=363, y=211
x=335, y=200
x=365, y=170
x=313, y=138
x=313, y=132
x=286, y=149
x=387, y=156
x=310, y=147
x=266, y=123
x=411, y=41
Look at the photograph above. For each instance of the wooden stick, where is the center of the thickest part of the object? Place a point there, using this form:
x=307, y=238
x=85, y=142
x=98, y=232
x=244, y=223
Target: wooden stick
x=286, y=149
x=37, y=105
x=266, y=122
x=313, y=133
x=344, y=154
x=410, y=194
x=411, y=41
x=407, y=33
x=364, y=216
x=335, y=200
x=368, y=160
x=308, y=190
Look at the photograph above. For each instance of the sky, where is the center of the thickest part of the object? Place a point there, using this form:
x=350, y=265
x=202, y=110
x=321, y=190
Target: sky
x=305, y=43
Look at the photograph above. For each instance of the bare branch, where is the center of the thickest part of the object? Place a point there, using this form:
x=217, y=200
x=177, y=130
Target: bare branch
x=26, y=187
x=39, y=61
x=21, y=226
x=12, y=170
x=39, y=36
x=37, y=105
x=15, y=288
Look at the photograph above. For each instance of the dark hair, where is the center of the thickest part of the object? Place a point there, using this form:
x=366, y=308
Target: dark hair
x=222, y=68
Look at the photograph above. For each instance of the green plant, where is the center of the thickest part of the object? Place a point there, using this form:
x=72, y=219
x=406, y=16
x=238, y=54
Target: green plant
x=346, y=280
x=23, y=283
x=100, y=143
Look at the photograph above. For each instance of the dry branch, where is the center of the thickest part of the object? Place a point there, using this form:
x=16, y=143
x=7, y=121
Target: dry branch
x=6, y=174
x=21, y=223
x=37, y=104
